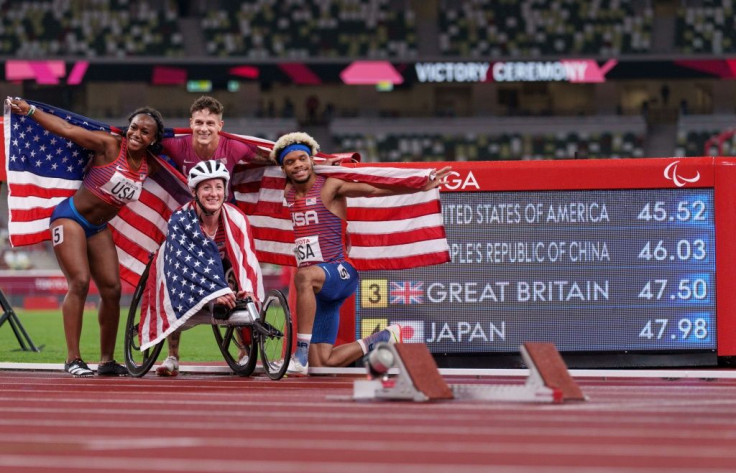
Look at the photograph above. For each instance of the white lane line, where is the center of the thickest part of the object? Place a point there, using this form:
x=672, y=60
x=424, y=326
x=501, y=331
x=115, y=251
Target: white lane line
x=56, y=463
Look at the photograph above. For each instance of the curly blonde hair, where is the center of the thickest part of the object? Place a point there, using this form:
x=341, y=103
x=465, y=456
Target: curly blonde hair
x=295, y=138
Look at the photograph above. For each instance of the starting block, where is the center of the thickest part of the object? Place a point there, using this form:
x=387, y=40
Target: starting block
x=548, y=380
x=418, y=378
x=408, y=372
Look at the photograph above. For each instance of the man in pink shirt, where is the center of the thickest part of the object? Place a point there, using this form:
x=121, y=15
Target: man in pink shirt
x=205, y=141
x=186, y=151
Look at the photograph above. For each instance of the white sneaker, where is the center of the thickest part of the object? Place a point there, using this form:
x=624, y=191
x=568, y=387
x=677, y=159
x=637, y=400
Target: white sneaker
x=296, y=368
x=396, y=335
x=170, y=367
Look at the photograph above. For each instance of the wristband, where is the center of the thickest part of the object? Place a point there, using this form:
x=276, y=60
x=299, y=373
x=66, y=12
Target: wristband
x=31, y=111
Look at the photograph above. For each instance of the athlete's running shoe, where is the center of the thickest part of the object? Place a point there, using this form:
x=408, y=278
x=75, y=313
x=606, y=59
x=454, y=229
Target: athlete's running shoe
x=296, y=368
x=396, y=335
x=170, y=367
x=111, y=368
x=78, y=369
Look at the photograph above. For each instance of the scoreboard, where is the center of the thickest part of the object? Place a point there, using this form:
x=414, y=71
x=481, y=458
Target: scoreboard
x=609, y=256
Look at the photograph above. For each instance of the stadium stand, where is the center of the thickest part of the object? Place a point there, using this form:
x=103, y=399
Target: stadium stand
x=706, y=26
x=544, y=27
x=357, y=28
x=325, y=28
x=89, y=28
x=469, y=139
x=694, y=131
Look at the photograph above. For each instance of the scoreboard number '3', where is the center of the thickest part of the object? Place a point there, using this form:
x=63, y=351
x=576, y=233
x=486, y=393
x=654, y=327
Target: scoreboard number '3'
x=374, y=293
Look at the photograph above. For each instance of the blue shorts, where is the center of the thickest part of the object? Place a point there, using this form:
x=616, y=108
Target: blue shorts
x=66, y=209
x=341, y=280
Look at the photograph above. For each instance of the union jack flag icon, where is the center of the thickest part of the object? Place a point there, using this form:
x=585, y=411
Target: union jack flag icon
x=407, y=292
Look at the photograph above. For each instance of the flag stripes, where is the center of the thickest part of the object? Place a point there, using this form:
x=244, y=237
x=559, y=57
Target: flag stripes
x=393, y=232
x=44, y=169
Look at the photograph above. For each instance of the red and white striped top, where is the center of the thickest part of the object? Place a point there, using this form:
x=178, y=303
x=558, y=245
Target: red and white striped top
x=116, y=183
x=318, y=233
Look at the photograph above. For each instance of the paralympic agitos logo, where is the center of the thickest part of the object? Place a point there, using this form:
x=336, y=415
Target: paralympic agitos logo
x=670, y=173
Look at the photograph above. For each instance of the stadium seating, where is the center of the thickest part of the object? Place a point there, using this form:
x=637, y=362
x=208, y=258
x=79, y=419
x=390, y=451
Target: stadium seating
x=475, y=139
x=533, y=28
x=298, y=30
x=694, y=131
x=705, y=26
x=116, y=28
x=358, y=28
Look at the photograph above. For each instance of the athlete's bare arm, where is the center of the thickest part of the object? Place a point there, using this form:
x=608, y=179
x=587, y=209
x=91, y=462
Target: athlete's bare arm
x=358, y=189
x=335, y=191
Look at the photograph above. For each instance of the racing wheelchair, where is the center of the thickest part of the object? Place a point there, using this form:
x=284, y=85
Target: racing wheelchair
x=270, y=335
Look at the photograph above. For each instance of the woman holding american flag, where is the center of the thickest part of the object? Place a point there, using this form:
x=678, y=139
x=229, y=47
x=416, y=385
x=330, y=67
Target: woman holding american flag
x=188, y=274
x=81, y=239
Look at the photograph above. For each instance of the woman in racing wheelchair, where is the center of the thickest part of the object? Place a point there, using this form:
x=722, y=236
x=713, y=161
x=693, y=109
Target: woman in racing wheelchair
x=207, y=238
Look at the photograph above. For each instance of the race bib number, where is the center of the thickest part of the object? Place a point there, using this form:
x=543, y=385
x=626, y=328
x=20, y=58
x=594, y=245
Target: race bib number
x=123, y=189
x=343, y=272
x=307, y=250
x=57, y=235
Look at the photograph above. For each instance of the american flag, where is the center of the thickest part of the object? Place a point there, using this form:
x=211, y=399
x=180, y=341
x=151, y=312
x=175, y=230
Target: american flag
x=43, y=169
x=411, y=232
x=186, y=273
x=406, y=292
x=395, y=232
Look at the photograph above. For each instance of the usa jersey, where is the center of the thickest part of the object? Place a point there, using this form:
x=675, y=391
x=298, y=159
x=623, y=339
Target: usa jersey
x=115, y=183
x=318, y=232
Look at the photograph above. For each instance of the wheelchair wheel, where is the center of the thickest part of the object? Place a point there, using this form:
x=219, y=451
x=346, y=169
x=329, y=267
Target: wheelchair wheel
x=231, y=341
x=275, y=341
x=138, y=362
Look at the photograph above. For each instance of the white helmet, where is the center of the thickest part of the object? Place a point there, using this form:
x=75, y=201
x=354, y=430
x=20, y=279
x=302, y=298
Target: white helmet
x=208, y=170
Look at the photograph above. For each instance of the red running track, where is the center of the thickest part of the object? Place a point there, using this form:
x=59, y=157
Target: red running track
x=50, y=422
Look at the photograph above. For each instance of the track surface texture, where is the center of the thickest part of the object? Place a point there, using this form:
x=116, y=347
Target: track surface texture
x=51, y=422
